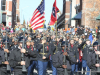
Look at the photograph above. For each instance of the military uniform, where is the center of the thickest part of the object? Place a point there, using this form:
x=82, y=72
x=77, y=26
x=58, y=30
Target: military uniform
x=15, y=59
x=92, y=60
x=33, y=61
x=3, y=69
x=73, y=49
x=58, y=59
x=42, y=63
x=53, y=51
x=85, y=51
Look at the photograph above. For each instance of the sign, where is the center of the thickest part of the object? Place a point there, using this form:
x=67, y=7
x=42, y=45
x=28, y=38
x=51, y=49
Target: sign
x=9, y=23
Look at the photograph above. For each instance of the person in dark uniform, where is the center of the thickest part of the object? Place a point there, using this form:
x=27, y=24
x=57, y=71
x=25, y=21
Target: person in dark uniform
x=15, y=44
x=86, y=50
x=92, y=59
x=73, y=49
x=53, y=51
x=33, y=60
x=3, y=63
x=37, y=39
x=15, y=60
x=58, y=60
x=4, y=36
x=43, y=57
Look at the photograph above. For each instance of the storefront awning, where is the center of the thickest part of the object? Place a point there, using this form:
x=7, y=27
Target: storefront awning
x=77, y=16
x=98, y=18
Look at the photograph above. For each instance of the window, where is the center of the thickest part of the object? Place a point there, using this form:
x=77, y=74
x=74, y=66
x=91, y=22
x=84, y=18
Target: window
x=3, y=5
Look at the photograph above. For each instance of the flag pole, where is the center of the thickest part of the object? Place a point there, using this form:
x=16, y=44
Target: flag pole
x=56, y=36
x=43, y=38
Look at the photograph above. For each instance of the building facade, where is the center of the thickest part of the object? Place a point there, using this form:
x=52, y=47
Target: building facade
x=90, y=11
x=6, y=7
x=79, y=12
x=0, y=14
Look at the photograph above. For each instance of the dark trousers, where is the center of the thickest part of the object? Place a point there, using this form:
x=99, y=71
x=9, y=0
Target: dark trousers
x=3, y=71
x=53, y=68
x=31, y=67
x=60, y=72
x=19, y=72
x=42, y=66
x=78, y=67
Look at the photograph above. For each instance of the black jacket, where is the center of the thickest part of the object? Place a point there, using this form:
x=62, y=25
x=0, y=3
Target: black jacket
x=91, y=60
x=86, y=51
x=15, y=58
x=58, y=59
x=46, y=52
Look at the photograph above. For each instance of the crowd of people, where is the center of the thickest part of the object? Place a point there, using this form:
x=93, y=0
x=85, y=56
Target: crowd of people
x=77, y=52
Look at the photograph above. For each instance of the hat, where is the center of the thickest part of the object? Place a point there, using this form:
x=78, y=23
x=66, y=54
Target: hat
x=32, y=41
x=0, y=36
x=29, y=36
x=15, y=40
x=4, y=31
x=95, y=43
x=63, y=44
x=71, y=39
x=28, y=41
x=26, y=33
x=20, y=41
x=87, y=40
x=58, y=37
x=10, y=33
x=44, y=38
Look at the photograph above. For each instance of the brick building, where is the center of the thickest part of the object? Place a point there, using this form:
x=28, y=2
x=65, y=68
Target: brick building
x=79, y=12
x=90, y=11
x=6, y=7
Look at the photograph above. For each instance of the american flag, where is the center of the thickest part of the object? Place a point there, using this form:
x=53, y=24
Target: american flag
x=38, y=16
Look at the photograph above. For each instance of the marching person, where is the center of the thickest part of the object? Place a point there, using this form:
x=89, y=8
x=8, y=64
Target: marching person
x=15, y=59
x=92, y=60
x=73, y=49
x=58, y=60
x=85, y=51
x=3, y=63
x=43, y=57
x=33, y=60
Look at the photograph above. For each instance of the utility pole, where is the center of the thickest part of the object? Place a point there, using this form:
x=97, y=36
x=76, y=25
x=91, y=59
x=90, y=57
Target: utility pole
x=13, y=13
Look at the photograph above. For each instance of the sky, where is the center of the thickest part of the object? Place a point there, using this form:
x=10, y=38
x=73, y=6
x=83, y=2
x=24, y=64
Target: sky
x=27, y=7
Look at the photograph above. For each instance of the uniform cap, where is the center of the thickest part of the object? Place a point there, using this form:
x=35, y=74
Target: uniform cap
x=28, y=41
x=95, y=43
x=44, y=38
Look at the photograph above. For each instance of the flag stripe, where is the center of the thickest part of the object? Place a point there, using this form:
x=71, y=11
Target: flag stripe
x=38, y=17
x=34, y=15
x=38, y=22
x=38, y=25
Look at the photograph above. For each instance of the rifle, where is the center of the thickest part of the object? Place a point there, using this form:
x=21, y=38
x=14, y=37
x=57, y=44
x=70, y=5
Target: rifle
x=23, y=66
x=6, y=55
x=65, y=71
x=98, y=68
